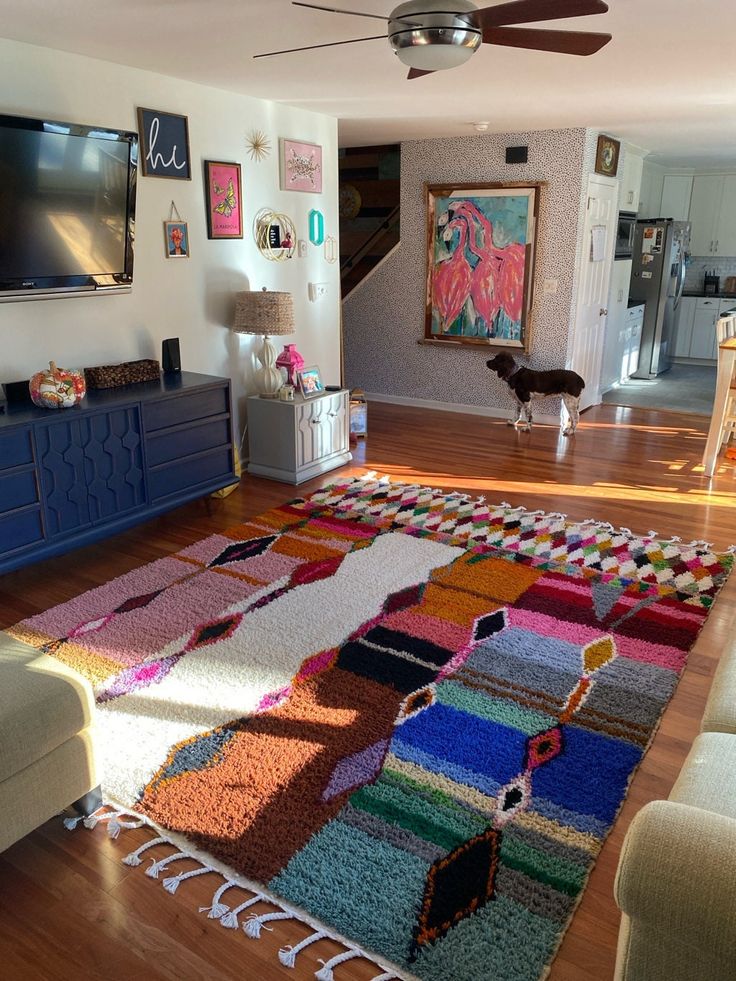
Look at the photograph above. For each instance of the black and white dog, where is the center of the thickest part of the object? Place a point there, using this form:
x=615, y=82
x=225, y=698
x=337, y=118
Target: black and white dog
x=524, y=383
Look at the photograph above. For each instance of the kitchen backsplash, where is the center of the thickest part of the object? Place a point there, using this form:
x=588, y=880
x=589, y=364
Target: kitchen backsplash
x=723, y=266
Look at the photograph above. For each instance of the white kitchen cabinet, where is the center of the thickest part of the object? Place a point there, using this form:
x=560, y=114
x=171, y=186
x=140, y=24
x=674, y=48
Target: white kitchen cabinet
x=630, y=189
x=707, y=312
x=676, y=192
x=634, y=325
x=684, y=326
x=294, y=441
x=725, y=243
x=713, y=215
x=650, y=197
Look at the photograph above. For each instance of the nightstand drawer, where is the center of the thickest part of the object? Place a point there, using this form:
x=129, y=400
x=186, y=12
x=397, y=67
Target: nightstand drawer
x=322, y=429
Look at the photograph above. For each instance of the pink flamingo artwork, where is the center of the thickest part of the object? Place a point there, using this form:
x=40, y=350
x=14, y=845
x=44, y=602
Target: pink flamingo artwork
x=498, y=278
x=451, y=279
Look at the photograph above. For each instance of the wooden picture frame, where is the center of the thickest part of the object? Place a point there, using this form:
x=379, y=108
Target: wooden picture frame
x=224, y=199
x=606, y=156
x=481, y=250
x=164, y=144
x=310, y=382
x=176, y=239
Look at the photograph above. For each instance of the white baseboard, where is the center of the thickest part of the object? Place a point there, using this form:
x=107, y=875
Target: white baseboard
x=475, y=410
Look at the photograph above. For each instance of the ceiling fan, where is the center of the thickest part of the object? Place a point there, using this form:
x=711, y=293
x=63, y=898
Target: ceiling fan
x=433, y=35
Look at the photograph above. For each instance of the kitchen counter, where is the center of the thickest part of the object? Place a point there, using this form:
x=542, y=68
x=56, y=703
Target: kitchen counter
x=635, y=303
x=718, y=296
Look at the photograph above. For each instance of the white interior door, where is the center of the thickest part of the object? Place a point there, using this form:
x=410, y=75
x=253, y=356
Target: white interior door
x=594, y=280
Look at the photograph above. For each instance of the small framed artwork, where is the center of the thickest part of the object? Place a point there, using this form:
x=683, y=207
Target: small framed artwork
x=310, y=383
x=164, y=138
x=606, y=157
x=224, y=199
x=176, y=234
x=301, y=166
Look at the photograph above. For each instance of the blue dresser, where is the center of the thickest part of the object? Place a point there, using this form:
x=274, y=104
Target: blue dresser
x=72, y=476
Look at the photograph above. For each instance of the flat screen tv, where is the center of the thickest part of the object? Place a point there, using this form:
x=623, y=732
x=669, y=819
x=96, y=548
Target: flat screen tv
x=67, y=208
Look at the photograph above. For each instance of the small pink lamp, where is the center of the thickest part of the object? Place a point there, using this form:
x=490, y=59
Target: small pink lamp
x=292, y=361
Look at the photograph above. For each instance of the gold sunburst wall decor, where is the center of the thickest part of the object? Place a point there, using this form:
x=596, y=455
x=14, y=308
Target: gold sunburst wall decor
x=258, y=145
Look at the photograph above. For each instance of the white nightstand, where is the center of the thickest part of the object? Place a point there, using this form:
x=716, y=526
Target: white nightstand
x=294, y=441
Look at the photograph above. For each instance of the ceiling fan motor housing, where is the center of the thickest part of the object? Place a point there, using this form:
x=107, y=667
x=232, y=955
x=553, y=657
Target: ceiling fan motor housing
x=434, y=34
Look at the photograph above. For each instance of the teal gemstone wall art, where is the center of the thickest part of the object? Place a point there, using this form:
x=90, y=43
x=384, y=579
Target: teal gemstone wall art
x=316, y=227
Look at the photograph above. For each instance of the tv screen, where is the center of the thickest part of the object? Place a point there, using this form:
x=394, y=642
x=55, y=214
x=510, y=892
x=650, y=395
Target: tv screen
x=67, y=207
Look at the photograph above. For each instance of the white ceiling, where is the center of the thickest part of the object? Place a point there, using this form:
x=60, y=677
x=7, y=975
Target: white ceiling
x=667, y=81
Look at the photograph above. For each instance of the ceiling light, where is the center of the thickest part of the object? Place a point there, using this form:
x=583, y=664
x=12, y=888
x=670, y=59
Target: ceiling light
x=481, y=127
x=427, y=37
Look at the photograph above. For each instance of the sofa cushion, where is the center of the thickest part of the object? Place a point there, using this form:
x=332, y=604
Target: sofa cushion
x=708, y=776
x=720, y=710
x=42, y=704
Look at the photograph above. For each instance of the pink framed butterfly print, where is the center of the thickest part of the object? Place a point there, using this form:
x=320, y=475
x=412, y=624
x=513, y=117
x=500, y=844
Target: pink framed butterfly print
x=224, y=199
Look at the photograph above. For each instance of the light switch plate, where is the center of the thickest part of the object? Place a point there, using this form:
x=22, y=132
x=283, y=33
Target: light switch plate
x=316, y=291
x=301, y=248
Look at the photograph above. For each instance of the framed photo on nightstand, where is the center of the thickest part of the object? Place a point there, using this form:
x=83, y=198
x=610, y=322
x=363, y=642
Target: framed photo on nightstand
x=310, y=382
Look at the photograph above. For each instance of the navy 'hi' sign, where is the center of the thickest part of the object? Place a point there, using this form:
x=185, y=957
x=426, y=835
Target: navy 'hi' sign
x=164, y=144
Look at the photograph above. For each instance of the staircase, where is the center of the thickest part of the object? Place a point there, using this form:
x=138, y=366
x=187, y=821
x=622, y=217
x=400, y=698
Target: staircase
x=369, y=209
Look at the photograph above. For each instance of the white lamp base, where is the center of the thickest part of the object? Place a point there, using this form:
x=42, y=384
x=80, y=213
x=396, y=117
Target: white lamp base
x=269, y=380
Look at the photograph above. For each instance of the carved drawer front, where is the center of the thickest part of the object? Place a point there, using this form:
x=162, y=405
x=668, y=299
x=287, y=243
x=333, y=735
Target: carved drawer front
x=319, y=429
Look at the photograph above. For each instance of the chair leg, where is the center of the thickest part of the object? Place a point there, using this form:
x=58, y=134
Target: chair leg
x=89, y=803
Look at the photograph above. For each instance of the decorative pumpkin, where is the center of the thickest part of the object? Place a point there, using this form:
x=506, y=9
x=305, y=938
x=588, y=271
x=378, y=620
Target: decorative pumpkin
x=57, y=388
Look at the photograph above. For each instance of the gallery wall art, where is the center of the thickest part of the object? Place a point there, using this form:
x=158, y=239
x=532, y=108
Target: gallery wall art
x=480, y=262
x=224, y=199
x=301, y=166
x=164, y=144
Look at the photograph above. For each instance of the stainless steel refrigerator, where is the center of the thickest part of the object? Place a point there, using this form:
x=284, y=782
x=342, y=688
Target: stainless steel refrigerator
x=661, y=246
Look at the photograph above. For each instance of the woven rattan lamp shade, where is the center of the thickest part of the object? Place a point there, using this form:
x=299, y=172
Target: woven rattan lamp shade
x=264, y=312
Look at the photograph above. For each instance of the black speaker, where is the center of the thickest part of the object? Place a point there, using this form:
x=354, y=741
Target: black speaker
x=170, y=356
x=517, y=154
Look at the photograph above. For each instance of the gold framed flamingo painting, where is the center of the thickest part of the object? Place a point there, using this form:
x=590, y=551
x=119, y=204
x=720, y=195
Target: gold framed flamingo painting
x=481, y=244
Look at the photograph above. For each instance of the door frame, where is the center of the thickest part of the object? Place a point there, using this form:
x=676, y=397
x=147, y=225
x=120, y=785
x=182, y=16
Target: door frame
x=594, y=180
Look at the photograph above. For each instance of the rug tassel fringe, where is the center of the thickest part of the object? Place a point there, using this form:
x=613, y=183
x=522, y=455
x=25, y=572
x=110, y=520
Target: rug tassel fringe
x=218, y=909
x=134, y=859
x=288, y=954
x=172, y=883
x=230, y=920
x=388, y=976
x=325, y=973
x=255, y=923
x=153, y=870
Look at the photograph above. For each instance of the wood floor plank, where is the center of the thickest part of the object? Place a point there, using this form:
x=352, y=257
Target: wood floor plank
x=633, y=467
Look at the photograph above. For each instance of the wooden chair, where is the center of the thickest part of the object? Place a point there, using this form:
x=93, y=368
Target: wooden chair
x=725, y=329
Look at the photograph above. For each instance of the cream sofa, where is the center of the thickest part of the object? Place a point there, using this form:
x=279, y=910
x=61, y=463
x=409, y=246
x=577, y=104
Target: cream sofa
x=46, y=740
x=676, y=879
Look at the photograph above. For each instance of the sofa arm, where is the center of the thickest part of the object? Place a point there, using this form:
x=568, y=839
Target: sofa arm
x=677, y=875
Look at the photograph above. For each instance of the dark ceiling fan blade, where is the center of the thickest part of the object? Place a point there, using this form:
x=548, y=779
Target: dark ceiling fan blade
x=561, y=42
x=353, y=13
x=417, y=73
x=330, y=44
x=336, y=10
x=532, y=11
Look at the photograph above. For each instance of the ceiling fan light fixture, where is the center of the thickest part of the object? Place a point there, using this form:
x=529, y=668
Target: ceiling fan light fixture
x=428, y=37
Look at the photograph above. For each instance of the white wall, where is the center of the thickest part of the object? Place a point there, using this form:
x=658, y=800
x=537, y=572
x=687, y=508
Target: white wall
x=189, y=298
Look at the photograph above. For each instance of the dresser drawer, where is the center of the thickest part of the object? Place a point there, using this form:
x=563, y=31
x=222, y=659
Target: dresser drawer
x=195, y=438
x=17, y=490
x=19, y=530
x=173, y=412
x=172, y=478
x=16, y=449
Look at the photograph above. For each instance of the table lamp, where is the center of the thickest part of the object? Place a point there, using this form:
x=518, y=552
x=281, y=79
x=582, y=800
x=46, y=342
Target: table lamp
x=268, y=313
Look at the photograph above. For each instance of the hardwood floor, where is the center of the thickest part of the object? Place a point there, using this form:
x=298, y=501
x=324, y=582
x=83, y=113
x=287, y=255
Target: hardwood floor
x=69, y=908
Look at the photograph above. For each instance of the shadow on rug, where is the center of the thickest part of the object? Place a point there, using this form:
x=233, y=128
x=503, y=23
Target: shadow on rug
x=409, y=715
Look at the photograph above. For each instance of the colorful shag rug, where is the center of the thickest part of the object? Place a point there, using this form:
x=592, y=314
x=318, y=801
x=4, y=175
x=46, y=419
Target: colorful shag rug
x=409, y=717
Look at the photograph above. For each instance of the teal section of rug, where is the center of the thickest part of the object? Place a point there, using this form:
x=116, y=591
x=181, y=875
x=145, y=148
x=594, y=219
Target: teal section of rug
x=366, y=888
x=501, y=942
